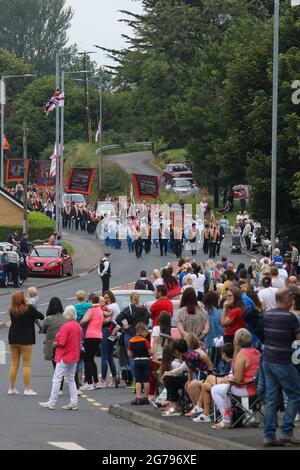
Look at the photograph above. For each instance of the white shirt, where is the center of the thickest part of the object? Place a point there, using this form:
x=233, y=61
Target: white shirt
x=268, y=297
x=115, y=310
x=278, y=282
x=283, y=274
x=158, y=282
x=106, y=266
x=198, y=282
x=159, y=349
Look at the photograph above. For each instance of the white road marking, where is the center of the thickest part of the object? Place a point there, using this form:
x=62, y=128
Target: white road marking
x=66, y=445
x=3, y=313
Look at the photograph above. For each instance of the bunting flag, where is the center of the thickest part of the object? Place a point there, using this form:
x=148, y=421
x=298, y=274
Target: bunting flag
x=80, y=180
x=44, y=177
x=6, y=144
x=98, y=133
x=53, y=158
x=52, y=103
x=146, y=186
x=15, y=170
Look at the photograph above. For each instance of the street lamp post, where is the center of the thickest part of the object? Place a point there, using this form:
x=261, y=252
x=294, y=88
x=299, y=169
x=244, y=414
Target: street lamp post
x=25, y=202
x=3, y=103
x=100, y=137
x=275, y=122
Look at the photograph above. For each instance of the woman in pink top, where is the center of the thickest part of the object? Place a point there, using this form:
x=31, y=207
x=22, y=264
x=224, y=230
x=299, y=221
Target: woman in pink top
x=245, y=366
x=93, y=319
x=67, y=353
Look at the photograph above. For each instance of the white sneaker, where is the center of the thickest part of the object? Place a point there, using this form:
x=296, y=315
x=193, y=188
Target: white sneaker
x=79, y=393
x=202, y=419
x=87, y=387
x=100, y=385
x=61, y=393
x=197, y=410
x=12, y=391
x=70, y=407
x=29, y=393
x=97, y=386
x=47, y=404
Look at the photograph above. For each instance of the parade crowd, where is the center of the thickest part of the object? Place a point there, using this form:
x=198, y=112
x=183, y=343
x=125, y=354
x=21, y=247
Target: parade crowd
x=232, y=334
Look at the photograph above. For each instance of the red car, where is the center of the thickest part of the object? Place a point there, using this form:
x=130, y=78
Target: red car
x=46, y=260
x=176, y=170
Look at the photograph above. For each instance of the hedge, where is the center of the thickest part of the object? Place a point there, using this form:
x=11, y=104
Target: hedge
x=40, y=227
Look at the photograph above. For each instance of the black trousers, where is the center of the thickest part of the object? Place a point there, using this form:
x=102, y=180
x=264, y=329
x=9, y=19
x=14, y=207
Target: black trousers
x=163, y=246
x=205, y=247
x=91, y=347
x=105, y=283
x=248, y=243
x=13, y=268
x=178, y=248
x=218, y=248
x=173, y=386
x=212, y=249
x=138, y=246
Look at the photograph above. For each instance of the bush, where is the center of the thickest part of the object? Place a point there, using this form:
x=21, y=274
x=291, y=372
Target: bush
x=40, y=227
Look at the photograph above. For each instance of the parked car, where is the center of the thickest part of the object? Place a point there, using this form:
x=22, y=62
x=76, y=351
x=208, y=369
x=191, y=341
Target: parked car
x=147, y=297
x=105, y=208
x=176, y=170
x=237, y=191
x=46, y=260
x=182, y=187
x=74, y=197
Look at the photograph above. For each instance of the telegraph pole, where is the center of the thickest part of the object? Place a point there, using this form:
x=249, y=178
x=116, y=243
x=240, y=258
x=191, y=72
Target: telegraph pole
x=25, y=185
x=88, y=124
x=57, y=145
x=100, y=140
x=275, y=122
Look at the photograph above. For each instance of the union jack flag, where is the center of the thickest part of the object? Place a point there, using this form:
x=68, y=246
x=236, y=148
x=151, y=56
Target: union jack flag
x=52, y=103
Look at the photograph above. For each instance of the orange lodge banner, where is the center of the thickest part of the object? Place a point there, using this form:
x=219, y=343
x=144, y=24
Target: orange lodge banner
x=44, y=178
x=15, y=170
x=80, y=180
x=146, y=186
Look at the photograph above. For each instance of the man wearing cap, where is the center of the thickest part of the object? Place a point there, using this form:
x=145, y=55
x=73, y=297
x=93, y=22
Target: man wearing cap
x=104, y=271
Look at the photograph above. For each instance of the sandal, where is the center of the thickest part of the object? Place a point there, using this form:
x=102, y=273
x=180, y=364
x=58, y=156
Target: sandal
x=221, y=425
x=171, y=412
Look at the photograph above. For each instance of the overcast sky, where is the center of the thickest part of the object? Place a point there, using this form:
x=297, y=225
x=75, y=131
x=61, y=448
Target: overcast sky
x=96, y=22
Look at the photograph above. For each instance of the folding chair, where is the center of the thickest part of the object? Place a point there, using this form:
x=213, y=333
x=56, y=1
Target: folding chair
x=245, y=410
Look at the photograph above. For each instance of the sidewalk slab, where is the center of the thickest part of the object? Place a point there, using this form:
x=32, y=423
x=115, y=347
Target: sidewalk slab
x=247, y=438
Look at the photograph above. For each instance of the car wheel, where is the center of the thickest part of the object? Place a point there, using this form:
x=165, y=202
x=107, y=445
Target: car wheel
x=5, y=281
x=71, y=271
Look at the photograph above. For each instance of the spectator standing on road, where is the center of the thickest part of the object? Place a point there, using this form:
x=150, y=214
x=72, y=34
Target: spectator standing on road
x=267, y=295
x=24, y=248
x=163, y=304
x=281, y=329
x=13, y=266
x=140, y=350
x=232, y=317
x=21, y=338
x=158, y=280
x=143, y=283
x=192, y=318
x=51, y=325
x=67, y=351
x=294, y=256
x=94, y=320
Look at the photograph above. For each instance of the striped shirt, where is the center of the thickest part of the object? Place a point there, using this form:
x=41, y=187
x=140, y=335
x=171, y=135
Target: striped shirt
x=280, y=329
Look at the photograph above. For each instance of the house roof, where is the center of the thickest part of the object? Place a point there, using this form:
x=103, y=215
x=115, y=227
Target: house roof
x=11, y=198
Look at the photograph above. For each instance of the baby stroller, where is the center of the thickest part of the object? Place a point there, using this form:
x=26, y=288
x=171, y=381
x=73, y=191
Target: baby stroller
x=236, y=248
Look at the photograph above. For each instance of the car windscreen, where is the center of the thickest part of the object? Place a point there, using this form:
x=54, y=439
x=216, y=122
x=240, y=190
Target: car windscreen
x=78, y=198
x=44, y=253
x=182, y=183
x=180, y=168
x=123, y=300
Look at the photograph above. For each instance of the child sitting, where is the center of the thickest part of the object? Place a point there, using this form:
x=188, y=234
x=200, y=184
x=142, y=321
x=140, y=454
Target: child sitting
x=140, y=350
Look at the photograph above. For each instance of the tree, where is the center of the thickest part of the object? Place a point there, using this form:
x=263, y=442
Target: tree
x=35, y=30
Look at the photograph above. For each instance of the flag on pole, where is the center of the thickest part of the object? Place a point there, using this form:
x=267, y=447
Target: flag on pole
x=62, y=100
x=295, y=3
x=53, y=163
x=98, y=133
x=213, y=219
x=52, y=103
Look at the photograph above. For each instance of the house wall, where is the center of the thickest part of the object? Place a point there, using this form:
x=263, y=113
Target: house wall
x=10, y=213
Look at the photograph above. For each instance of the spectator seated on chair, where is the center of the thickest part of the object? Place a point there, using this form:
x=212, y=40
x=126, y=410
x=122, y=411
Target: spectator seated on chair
x=219, y=376
x=245, y=368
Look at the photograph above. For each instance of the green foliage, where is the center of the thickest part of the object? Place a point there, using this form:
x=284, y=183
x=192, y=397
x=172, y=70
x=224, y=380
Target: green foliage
x=40, y=227
x=171, y=156
x=35, y=30
x=69, y=247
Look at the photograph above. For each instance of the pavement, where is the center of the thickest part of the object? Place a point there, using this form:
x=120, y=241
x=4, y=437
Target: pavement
x=246, y=438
